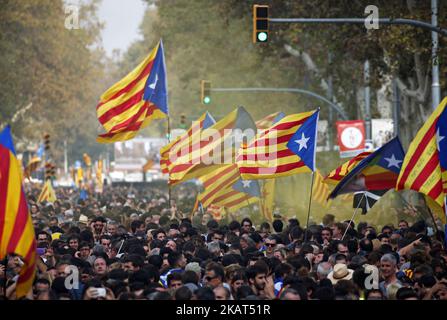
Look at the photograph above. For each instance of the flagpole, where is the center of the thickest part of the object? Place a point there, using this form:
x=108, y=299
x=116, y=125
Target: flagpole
x=432, y=217
x=310, y=204
x=352, y=218
x=169, y=140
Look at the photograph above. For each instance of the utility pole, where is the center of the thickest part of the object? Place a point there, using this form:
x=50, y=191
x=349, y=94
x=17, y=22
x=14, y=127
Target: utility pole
x=396, y=109
x=367, y=101
x=436, y=92
x=331, y=98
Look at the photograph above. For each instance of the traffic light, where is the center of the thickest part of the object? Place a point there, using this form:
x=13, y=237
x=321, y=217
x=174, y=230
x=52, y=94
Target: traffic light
x=48, y=171
x=46, y=141
x=205, y=91
x=183, y=122
x=260, y=23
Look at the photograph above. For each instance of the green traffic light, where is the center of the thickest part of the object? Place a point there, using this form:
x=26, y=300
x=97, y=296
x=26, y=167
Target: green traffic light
x=262, y=36
x=206, y=100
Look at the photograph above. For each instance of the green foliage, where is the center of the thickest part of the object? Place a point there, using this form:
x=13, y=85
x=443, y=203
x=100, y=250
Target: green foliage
x=56, y=69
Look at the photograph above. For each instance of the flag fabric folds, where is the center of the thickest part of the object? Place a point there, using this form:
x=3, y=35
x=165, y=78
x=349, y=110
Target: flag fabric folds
x=241, y=194
x=183, y=143
x=47, y=193
x=286, y=148
x=378, y=171
x=269, y=120
x=320, y=190
x=16, y=227
x=216, y=183
x=134, y=101
x=424, y=168
x=267, y=199
x=336, y=175
x=213, y=147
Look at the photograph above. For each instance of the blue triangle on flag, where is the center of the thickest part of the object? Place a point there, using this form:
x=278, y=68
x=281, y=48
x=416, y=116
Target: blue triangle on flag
x=303, y=142
x=250, y=187
x=156, y=90
x=6, y=139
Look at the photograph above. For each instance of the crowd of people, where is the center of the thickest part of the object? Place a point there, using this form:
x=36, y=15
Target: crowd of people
x=128, y=245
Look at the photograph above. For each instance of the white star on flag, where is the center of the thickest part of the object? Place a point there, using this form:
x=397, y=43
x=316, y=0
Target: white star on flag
x=393, y=162
x=153, y=85
x=302, y=142
x=246, y=183
x=439, y=138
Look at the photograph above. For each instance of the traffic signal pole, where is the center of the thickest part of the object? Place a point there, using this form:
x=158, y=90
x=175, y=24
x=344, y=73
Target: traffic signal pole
x=433, y=27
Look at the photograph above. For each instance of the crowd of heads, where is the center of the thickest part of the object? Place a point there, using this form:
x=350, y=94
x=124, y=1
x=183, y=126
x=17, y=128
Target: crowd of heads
x=137, y=247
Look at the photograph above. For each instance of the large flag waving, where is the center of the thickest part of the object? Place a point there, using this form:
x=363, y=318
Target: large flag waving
x=425, y=166
x=336, y=175
x=16, y=226
x=213, y=148
x=378, y=171
x=134, y=101
x=183, y=143
x=286, y=148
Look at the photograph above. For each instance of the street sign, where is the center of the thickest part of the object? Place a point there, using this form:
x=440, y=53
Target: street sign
x=351, y=137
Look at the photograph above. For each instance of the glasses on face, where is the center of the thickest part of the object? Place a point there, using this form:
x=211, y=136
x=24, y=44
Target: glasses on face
x=209, y=278
x=270, y=244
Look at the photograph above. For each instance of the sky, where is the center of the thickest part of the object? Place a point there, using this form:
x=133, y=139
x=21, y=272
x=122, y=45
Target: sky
x=122, y=19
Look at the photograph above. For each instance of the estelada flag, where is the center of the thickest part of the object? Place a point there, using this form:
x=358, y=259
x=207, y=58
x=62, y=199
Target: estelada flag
x=16, y=226
x=335, y=176
x=378, y=171
x=425, y=166
x=183, y=143
x=286, y=148
x=213, y=148
x=241, y=194
x=134, y=101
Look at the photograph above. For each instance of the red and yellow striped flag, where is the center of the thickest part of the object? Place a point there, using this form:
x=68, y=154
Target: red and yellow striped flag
x=423, y=169
x=16, y=227
x=269, y=120
x=234, y=200
x=338, y=174
x=213, y=148
x=269, y=154
x=47, y=193
x=183, y=143
x=216, y=182
x=134, y=101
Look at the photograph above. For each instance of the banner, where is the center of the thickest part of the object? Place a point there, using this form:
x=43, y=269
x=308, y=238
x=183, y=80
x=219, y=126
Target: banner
x=351, y=137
